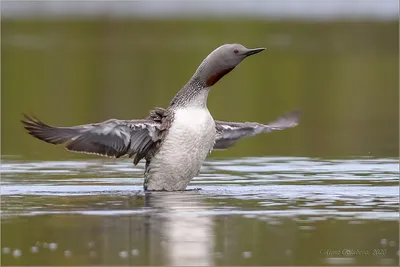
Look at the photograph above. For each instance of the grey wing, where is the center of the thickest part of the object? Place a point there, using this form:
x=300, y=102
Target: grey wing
x=113, y=138
x=230, y=132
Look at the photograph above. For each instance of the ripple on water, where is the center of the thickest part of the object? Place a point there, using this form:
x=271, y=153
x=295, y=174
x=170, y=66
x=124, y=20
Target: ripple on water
x=275, y=186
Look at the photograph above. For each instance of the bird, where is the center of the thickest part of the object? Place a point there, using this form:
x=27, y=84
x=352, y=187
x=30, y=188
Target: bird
x=174, y=141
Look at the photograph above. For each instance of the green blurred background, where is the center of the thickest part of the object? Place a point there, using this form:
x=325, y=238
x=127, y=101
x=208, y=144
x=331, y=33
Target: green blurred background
x=343, y=75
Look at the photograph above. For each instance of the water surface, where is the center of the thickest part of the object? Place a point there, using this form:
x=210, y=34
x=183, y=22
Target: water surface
x=309, y=210
x=249, y=211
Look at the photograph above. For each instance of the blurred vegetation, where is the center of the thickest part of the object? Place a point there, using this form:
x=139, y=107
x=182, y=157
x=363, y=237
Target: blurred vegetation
x=342, y=75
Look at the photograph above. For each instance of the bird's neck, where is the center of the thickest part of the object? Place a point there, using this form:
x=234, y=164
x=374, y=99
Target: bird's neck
x=195, y=92
x=210, y=72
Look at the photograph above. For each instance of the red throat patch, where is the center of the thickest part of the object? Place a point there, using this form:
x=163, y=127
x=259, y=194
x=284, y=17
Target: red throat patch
x=216, y=77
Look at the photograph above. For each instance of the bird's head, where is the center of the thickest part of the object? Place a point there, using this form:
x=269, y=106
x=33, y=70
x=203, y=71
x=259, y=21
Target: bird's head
x=221, y=61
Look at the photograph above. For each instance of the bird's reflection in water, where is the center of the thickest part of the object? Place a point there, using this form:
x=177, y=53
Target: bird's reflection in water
x=178, y=221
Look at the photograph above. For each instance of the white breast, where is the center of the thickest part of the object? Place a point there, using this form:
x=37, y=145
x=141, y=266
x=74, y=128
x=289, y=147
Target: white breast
x=192, y=120
x=188, y=142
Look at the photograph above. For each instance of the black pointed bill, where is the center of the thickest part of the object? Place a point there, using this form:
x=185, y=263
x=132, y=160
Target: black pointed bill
x=250, y=52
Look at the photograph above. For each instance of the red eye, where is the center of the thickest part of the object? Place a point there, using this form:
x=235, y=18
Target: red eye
x=235, y=51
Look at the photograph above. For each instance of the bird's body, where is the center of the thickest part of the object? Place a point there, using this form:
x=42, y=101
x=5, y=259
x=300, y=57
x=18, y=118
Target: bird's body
x=174, y=166
x=174, y=141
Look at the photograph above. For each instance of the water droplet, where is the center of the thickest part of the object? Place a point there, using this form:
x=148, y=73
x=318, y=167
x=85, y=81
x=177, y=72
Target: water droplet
x=392, y=243
x=45, y=245
x=339, y=261
x=386, y=261
x=90, y=244
x=218, y=255
x=306, y=227
x=6, y=250
x=34, y=249
x=67, y=253
x=134, y=252
x=246, y=254
x=52, y=246
x=288, y=252
x=17, y=253
x=383, y=242
x=92, y=254
x=123, y=254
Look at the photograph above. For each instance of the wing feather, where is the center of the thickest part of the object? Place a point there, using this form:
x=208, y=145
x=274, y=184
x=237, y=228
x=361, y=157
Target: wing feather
x=113, y=138
x=228, y=133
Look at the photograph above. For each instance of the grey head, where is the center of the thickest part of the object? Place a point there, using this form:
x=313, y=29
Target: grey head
x=215, y=66
x=221, y=61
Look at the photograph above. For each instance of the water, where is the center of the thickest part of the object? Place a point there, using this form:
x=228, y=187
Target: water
x=336, y=204
x=249, y=211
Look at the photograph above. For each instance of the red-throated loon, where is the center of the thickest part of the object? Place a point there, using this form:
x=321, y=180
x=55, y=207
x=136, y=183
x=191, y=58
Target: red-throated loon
x=174, y=141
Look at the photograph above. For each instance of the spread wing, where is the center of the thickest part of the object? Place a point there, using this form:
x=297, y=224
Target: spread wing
x=113, y=138
x=230, y=132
